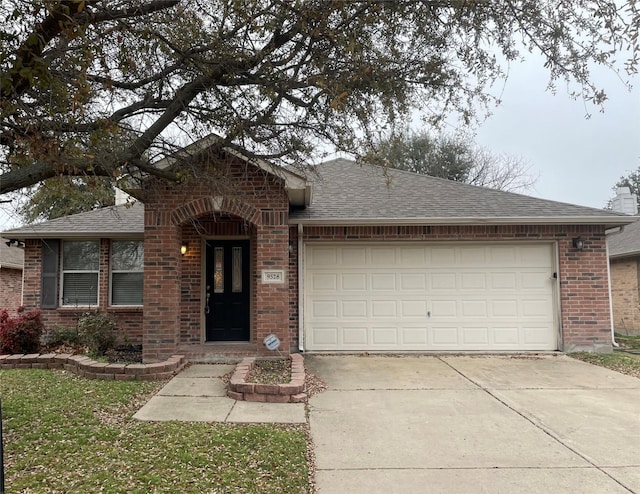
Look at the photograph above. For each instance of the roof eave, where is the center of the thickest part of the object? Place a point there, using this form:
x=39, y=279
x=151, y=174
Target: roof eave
x=607, y=221
x=621, y=255
x=72, y=235
x=10, y=265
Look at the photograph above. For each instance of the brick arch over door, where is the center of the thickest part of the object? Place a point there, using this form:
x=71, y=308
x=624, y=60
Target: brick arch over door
x=212, y=205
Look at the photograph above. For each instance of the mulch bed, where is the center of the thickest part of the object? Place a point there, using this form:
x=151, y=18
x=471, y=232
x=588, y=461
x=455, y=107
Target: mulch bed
x=123, y=354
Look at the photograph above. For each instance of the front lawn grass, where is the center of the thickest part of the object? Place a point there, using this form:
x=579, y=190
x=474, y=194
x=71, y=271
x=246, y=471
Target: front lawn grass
x=66, y=434
x=617, y=361
x=626, y=341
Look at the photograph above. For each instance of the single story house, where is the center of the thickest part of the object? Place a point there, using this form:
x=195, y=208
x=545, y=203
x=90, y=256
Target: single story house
x=624, y=260
x=349, y=258
x=11, y=262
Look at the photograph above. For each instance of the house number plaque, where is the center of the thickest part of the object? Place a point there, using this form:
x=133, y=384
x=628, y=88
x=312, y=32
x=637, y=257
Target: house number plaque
x=273, y=276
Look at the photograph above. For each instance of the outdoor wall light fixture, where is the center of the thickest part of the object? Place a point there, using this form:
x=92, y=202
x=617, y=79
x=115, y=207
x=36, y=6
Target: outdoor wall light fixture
x=184, y=248
x=578, y=243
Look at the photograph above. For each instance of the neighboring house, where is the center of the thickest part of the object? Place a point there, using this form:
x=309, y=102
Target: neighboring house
x=624, y=261
x=11, y=262
x=352, y=258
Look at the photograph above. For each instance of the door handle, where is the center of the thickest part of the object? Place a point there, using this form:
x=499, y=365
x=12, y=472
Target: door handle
x=206, y=307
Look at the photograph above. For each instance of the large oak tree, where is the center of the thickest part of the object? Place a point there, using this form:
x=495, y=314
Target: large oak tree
x=108, y=87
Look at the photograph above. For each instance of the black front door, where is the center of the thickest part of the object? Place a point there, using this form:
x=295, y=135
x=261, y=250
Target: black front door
x=227, y=290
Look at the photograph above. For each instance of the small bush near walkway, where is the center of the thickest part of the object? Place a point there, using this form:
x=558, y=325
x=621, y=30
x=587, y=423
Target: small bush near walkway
x=65, y=434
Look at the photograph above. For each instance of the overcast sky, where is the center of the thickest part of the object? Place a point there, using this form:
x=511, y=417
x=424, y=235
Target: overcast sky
x=578, y=160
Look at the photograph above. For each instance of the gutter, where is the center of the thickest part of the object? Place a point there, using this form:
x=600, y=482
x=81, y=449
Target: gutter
x=608, y=221
x=613, y=335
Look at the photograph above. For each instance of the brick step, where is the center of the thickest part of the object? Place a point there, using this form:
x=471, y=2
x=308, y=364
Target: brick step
x=216, y=353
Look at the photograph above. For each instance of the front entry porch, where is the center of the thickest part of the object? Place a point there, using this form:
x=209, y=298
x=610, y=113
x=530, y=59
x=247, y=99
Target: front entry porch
x=212, y=303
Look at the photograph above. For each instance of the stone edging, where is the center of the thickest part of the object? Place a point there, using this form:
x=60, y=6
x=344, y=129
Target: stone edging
x=291, y=392
x=89, y=368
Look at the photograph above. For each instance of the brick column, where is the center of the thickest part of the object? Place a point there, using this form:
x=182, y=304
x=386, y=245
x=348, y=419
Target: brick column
x=161, y=321
x=272, y=311
x=584, y=295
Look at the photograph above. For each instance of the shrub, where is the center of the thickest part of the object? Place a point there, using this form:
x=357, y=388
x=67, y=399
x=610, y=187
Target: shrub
x=20, y=334
x=97, y=330
x=62, y=335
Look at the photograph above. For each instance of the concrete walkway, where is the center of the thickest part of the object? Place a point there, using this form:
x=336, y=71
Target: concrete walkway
x=198, y=394
x=474, y=425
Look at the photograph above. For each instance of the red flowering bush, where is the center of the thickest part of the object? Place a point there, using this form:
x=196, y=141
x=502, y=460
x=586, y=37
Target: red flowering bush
x=20, y=334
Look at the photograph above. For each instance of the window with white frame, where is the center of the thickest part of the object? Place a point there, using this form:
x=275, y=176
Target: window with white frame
x=127, y=265
x=80, y=269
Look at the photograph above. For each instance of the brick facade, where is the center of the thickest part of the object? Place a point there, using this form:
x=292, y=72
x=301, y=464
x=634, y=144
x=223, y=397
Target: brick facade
x=245, y=202
x=129, y=319
x=625, y=295
x=10, y=289
x=254, y=206
x=582, y=275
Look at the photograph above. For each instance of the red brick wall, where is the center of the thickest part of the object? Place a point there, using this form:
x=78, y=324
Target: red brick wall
x=129, y=319
x=624, y=295
x=583, y=283
x=240, y=201
x=10, y=289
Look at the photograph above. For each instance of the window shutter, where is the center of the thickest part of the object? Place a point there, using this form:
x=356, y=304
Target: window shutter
x=49, y=276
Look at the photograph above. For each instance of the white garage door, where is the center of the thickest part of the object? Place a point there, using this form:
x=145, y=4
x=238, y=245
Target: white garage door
x=386, y=297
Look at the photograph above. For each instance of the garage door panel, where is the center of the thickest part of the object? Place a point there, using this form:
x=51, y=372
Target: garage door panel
x=323, y=256
x=473, y=281
x=383, y=256
x=534, y=335
x=531, y=255
x=323, y=309
x=355, y=336
x=444, y=308
x=445, y=336
x=326, y=282
x=413, y=308
x=415, y=257
x=504, y=308
x=503, y=256
x=414, y=337
x=387, y=337
x=324, y=337
x=354, y=256
x=442, y=256
x=471, y=256
x=535, y=308
x=503, y=281
x=353, y=281
x=443, y=281
x=429, y=297
x=539, y=280
x=383, y=281
x=506, y=336
x=383, y=308
x=413, y=281
x=354, y=308
x=475, y=336
x=474, y=308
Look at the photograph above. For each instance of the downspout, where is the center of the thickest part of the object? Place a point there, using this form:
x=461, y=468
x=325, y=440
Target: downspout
x=613, y=336
x=300, y=290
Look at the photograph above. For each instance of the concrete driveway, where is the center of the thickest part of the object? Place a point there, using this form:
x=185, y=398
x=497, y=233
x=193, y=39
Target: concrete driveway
x=468, y=424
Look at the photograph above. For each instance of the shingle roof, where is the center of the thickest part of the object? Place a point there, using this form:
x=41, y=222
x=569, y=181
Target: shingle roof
x=626, y=242
x=10, y=257
x=345, y=192
x=111, y=222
